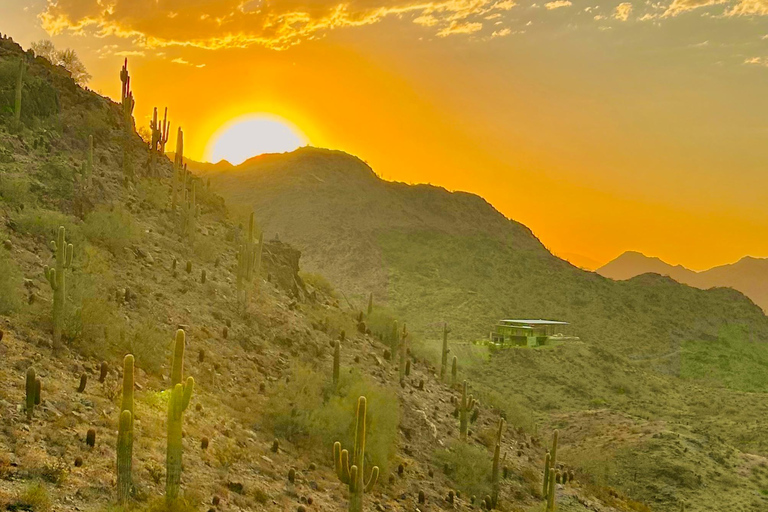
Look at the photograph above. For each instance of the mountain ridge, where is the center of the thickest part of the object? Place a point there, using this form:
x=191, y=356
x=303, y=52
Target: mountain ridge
x=748, y=275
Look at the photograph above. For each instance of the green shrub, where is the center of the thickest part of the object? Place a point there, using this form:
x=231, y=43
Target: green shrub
x=468, y=466
x=38, y=97
x=112, y=229
x=10, y=284
x=58, y=177
x=35, y=498
x=381, y=322
x=152, y=193
x=44, y=224
x=318, y=281
x=15, y=191
x=309, y=413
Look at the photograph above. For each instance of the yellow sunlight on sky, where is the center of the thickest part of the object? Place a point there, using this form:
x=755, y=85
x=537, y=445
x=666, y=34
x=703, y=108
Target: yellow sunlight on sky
x=252, y=135
x=603, y=127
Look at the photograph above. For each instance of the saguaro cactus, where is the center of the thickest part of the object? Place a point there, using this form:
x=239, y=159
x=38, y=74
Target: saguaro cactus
x=30, y=389
x=545, y=487
x=125, y=433
x=454, y=371
x=19, y=84
x=180, y=397
x=444, y=360
x=248, y=263
x=336, y=357
x=465, y=407
x=178, y=167
x=353, y=475
x=497, y=465
x=55, y=277
x=127, y=103
x=166, y=128
x=551, y=496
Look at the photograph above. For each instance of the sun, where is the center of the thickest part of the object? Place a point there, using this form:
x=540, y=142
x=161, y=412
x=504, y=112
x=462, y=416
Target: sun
x=251, y=135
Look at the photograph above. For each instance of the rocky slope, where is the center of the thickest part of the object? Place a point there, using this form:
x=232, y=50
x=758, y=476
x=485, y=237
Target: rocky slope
x=262, y=373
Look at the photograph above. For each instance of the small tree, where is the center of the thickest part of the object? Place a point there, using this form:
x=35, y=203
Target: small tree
x=68, y=59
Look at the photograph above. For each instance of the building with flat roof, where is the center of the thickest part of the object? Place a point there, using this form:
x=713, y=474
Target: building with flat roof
x=531, y=333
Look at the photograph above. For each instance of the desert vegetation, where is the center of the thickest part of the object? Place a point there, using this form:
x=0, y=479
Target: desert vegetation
x=160, y=352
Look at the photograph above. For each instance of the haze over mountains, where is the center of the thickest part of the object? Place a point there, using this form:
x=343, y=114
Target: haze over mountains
x=748, y=275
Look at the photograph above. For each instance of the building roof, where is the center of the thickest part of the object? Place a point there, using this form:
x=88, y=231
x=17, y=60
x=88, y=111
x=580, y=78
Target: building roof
x=522, y=323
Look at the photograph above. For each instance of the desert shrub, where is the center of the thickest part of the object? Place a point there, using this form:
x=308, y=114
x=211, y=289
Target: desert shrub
x=44, y=224
x=311, y=414
x=88, y=312
x=15, y=191
x=381, y=322
x=514, y=412
x=319, y=282
x=38, y=98
x=10, y=284
x=58, y=178
x=206, y=249
x=468, y=466
x=35, y=498
x=152, y=193
x=112, y=229
x=148, y=343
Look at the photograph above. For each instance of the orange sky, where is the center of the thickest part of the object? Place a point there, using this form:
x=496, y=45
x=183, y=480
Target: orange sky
x=602, y=127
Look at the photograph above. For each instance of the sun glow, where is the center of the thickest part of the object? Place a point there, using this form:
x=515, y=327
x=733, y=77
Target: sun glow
x=251, y=135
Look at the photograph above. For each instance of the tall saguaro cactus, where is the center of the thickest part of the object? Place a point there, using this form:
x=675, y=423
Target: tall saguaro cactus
x=125, y=434
x=454, y=371
x=551, y=495
x=497, y=464
x=19, y=85
x=55, y=277
x=354, y=475
x=127, y=103
x=178, y=168
x=444, y=359
x=550, y=466
x=181, y=393
x=248, y=263
x=465, y=406
x=165, y=130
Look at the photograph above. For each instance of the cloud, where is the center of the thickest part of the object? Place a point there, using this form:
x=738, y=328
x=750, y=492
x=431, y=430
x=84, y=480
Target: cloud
x=556, y=4
x=749, y=8
x=741, y=7
x=757, y=61
x=460, y=28
x=215, y=24
x=502, y=33
x=622, y=11
x=179, y=60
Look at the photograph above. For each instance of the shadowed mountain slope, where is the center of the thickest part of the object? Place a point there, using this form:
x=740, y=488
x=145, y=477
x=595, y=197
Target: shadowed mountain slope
x=433, y=255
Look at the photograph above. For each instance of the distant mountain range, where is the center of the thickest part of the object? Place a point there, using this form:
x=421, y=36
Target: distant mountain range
x=748, y=275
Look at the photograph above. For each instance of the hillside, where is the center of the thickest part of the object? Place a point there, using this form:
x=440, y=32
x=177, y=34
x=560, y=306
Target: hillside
x=264, y=413
x=748, y=275
x=433, y=255
x=651, y=346
x=672, y=427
